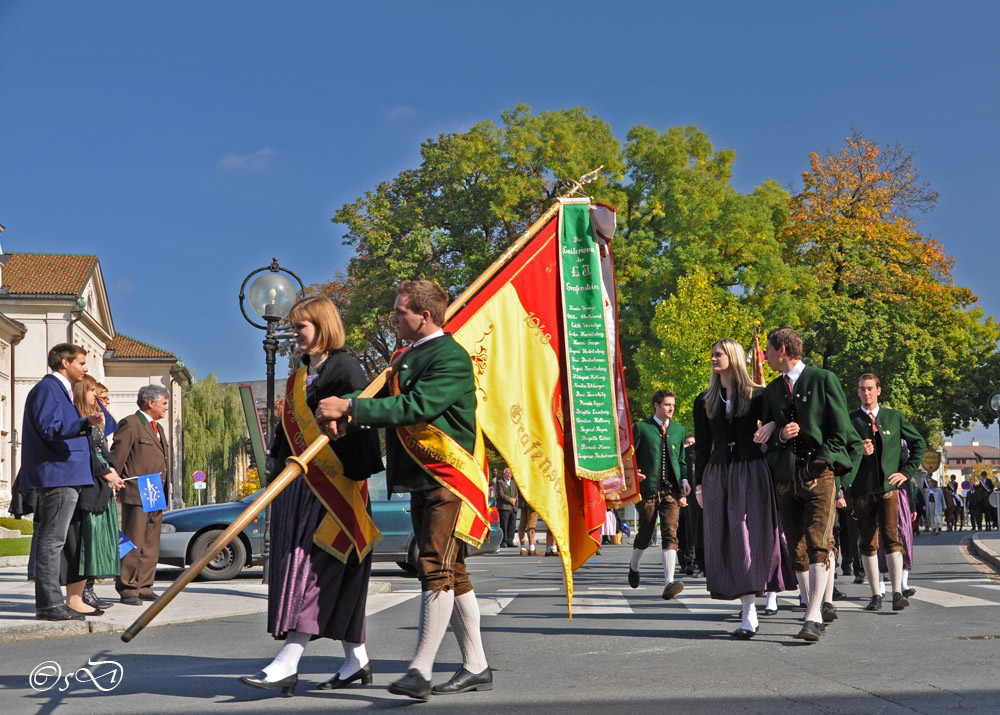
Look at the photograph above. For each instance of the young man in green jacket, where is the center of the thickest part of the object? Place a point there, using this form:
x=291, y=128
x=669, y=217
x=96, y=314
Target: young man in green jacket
x=878, y=474
x=663, y=486
x=434, y=452
x=811, y=447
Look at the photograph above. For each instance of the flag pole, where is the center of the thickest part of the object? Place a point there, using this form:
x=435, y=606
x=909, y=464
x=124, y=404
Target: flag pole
x=296, y=465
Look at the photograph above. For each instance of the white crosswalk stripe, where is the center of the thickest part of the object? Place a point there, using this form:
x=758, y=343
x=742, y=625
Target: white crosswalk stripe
x=947, y=599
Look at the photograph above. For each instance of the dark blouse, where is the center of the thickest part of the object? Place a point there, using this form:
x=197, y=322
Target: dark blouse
x=722, y=440
x=359, y=449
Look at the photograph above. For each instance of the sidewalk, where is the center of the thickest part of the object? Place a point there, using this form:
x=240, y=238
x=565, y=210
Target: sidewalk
x=199, y=601
x=986, y=545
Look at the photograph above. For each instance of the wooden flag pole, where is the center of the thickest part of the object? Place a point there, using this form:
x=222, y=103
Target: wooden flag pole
x=296, y=465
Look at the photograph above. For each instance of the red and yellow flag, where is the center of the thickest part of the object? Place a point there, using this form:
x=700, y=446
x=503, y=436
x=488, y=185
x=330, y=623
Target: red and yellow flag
x=512, y=329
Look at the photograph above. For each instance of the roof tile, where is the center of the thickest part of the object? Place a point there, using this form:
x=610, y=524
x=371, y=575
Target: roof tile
x=125, y=348
x=47, y=273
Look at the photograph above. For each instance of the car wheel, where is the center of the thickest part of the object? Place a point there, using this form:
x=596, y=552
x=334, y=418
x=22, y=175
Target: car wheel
x=227, y=563
x=410, y=565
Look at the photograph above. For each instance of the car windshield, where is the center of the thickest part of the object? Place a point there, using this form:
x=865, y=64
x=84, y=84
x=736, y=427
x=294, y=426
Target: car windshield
x=376, y=490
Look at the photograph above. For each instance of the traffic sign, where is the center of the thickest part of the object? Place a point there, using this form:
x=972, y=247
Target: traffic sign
x=198, y=477
x=200, y=485
x=994, y=499
x=966, y=485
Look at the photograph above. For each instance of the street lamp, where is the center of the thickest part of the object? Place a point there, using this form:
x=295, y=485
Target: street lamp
x=272, y=295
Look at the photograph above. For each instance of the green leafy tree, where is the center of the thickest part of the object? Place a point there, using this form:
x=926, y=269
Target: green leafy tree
x=215, y=433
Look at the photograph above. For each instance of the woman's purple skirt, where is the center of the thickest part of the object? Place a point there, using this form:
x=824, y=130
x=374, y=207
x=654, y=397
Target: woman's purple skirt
x=309, y=590
x=905, y=534
x=745, y=551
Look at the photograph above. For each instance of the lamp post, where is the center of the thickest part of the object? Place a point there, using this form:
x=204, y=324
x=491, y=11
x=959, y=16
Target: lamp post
x=271, y=296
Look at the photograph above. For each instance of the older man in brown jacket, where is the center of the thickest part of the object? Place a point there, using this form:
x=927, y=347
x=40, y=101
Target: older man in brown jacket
x=140, y=447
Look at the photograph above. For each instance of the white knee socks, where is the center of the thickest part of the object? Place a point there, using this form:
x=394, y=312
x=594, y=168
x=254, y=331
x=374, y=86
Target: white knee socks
x=435, y=612
x=355, y=658
x=465, y=622
x=895, y=571
x=287, y=661
x=828, y=594
x=818, y=574
x=871, y=572
x=772, y=601
x=669, y=564
x=749, y=604
x=636, y=557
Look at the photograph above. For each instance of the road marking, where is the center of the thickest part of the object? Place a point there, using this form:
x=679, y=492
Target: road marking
x=528, y=590
x=378, y=602
x=964, y=580
x=583, y=605
x=493, y=606
x=948, y=599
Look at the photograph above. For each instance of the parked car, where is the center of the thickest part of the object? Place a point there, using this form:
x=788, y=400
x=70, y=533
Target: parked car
x=187, y=533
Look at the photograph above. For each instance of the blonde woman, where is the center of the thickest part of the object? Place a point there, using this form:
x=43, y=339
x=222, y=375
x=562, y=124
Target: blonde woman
x=745, y=554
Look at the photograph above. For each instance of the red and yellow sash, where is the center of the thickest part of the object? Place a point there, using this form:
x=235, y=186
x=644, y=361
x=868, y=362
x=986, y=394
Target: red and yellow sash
x=347, y=526
x=461, y=473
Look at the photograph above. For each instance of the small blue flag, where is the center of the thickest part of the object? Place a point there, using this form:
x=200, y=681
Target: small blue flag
x=124, y=545
x=151, y=491
x=626, y=529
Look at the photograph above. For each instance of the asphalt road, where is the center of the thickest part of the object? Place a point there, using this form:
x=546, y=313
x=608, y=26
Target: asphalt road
x=625, y=651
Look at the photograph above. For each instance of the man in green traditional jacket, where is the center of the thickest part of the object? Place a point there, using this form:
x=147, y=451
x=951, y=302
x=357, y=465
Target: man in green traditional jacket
x=436, y=386
x=878, y=474
x=812, y=445
x=663, y=486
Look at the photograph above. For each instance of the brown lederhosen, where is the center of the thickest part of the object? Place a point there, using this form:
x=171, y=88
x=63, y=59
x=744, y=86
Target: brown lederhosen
x=806, y=506
x=874, y=511
x=667, y=505
x=441, y=562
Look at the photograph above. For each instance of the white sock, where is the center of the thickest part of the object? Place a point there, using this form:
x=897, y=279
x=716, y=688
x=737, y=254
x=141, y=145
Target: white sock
x=434, y=616
x=523, y=543
x=465, y=623
x=669, y=565
x=881, y=584
x=636, y=557
x=355, y=658
x=828, y=594
x=772, y=601
x=895, y=570
x=818, y=574
x=803, y=578
x=871, y=571
x=287, y=661
x=906, y=579
x=750, y=621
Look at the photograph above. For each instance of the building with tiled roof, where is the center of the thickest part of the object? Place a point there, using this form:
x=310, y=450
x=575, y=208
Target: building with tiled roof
x=46, y=274
x=62, y=299
x=959, y=459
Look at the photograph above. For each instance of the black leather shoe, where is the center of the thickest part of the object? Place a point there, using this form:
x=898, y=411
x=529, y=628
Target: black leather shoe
x=859, y=577
x=261, y=682
x=91, y=599
x=95, y=612
x=147, y=596
x=874, y=604
x=908, y=592
x=59, y=613
x=336, y=682
x=899, y=601
x=828, y=611
x=811, y=631
x=633, y=578
x=463, y=681
x=742, y=634
x=770, y=611
x=413, y=685
x=672, y=589
x=131, y=600
x=839, y=595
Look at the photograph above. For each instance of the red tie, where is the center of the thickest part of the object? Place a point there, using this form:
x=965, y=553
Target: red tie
x=874, y=426
x=156, y=430
x=788, y=384
x=663, y=429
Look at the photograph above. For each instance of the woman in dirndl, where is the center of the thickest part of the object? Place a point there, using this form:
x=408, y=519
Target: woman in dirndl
x=745, y=553
x=320, y=563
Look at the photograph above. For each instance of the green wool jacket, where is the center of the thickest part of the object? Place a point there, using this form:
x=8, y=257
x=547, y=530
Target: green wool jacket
x=647, y=454
x=825, y=430
x=436, y=386
x=868, y=478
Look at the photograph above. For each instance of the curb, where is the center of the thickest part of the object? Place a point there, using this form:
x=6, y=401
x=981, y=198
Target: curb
x=982, y=550
x=30, y=629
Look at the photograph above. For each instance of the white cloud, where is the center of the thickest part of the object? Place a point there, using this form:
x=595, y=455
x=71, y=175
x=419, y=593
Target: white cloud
x=125, y=285
x=399, y=113
x=254, y=161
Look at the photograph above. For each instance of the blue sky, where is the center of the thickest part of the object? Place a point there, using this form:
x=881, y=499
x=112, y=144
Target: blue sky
x=187, y=143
